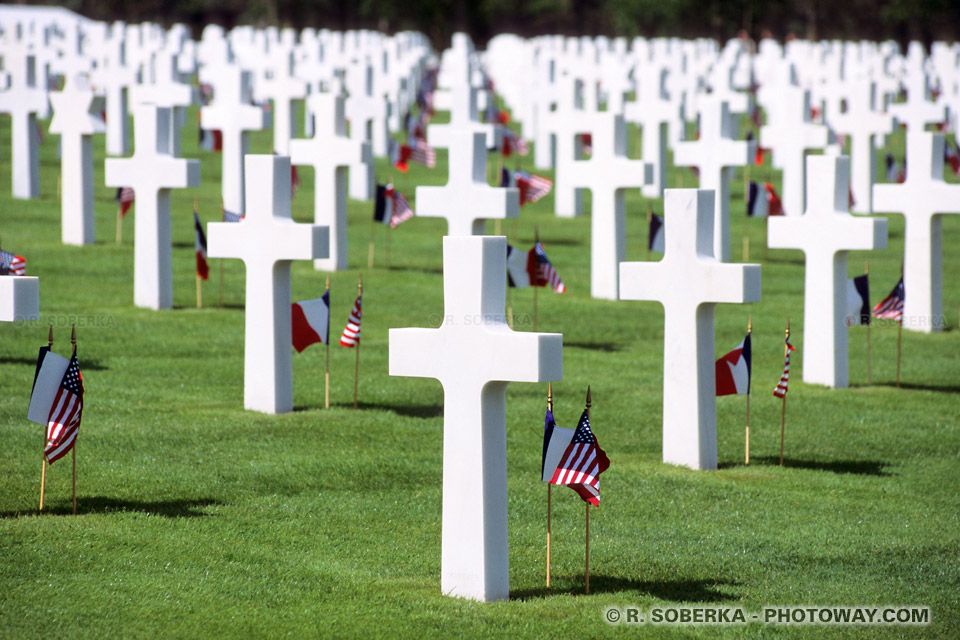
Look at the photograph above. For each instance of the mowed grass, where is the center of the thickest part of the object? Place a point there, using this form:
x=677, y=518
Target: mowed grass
x=199, y=519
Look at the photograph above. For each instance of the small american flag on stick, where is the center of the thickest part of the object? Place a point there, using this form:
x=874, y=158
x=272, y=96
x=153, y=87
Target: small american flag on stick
x=12, y=264
x=351, y=332
x=65, y=414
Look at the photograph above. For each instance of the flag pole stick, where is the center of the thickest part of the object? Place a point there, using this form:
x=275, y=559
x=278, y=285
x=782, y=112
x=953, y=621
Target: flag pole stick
x=649, y=219
x=549, y=486
x=509, y=307
x=586, y=559
x=783, y=411
x=899, y=338
x=43, y=460
x=536, y=288
x=73, y=341
x=371, y=247
x=866, y=271
x=747, y=434
x=119, y=225
x=356, y=370
x=326, y=375
x=388, y=246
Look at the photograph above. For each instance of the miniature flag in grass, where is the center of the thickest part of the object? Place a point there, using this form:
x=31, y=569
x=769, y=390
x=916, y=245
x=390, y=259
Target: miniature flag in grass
x=532, y=269
x=311, y=322
x=655, y=240
x=12, y=265
x=781, y=390
x=203, y=270
x=582, y=461
x=351, y=332
x=294, y=180
x=586, y=141
x=733, y=370
x=531, y=186
x=858, y=301
x=125, y=197
x=382, y=205
x=65, y=414
x=774, y=206
x=555, y=442
x=401, y=211
x=756, y=203
x=892, y=306
x=894, y=172
x=512, y=142
x=952, y=156
x=230, y=216
x=423, y=153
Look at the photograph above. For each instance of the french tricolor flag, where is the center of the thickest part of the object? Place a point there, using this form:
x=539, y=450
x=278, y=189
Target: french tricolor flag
x=733, y=370
x=311, y=322
x=756, y=203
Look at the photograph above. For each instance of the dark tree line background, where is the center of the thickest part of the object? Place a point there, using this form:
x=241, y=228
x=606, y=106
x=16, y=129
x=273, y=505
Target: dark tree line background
x=902, y=20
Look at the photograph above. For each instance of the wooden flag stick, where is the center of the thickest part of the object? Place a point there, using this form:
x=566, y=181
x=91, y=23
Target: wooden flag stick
x=388, y=246
x=509, y=307
x=783, y=411
x=866, y=271
x=356, y=370
x=549, y=486
x=326, y=375
x=373, y=227
x=649, y=219
x=73, y=341
x=536, y=288
x=43, y=459
x=586, y=560
x=747, y=434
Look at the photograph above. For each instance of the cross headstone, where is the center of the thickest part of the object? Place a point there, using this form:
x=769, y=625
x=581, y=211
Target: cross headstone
x=152, y=172
x=466, y=200
x=919, y=110
x=234, y=115
x=166, y=90
x=922, y=199
x=365, y=125
x=463, y=117
x=76, y=117
x=826, y=233
x=329, y=152
x=608, y=174
x=113, y=78
x=689, y=282
x=715, y=155
x=862, y=121
x=474, y=354
x=789, y=136
x=267, y=241
x=23, y=100
x=19, y=298
x=652, y=110
x=283, y=87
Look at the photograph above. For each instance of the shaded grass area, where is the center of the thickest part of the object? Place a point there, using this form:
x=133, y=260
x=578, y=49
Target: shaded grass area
x=198, y=519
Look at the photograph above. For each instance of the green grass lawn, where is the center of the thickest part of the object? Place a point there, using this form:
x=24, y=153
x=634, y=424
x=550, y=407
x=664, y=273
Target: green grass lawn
x=199, y=519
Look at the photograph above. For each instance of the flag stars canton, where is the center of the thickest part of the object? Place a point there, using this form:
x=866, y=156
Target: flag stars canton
x=72, y=379
x=583, y=434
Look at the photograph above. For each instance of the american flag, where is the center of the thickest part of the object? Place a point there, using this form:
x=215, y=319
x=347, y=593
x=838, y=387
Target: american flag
x=774, y=205
x=400, y=212
x=532, y=187
x=230, y=216
x=512, y=142
x=582, y=463
x=203, y=270
x=891, y=306
x=125, y=197
x=64, y=421
x=351, y=333
x=547, y=272
x=423, y=153
x=952, y=156
x=781, y=390
x=12, y=264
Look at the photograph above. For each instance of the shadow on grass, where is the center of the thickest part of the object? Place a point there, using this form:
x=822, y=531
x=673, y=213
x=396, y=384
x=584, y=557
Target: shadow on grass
x=436, y=270
x=780, y=260
x=856, y=467
x=182, y=245
x=947, y=388
x=670, y=590
x=102, y=504
x=606, y=347
x=85, y=365
x=408, y=411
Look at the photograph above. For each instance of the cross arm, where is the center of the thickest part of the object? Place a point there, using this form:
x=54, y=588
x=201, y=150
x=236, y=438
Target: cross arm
x=732, y=283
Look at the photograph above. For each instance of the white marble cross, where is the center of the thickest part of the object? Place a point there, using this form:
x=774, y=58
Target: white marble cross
x=76, y=117
x=463, y=117
x=789, y=136
x=329, y=152
x=365, y=125
x=922, y=199
x=689, y=282
x=862, y=121
x=715, y=155
x=283, y=87
x=826, y=233
x=166, y=90
x=466, y=200
x=653, y=110
x=23, y=100
x=267, y=241
x=919, y=110
x=608, y=174
x=474, y=354
x=113, y=78
x=232, y=113
x=152, y=172
x=19, y=298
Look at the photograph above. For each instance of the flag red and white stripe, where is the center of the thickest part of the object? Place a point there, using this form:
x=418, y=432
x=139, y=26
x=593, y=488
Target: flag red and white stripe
x=781, y=390
x=582, y=463
x=65, y=414
x=401, y=211
x=351, y=332
x=12, y=264
x=891, y=307
x=125, y=198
